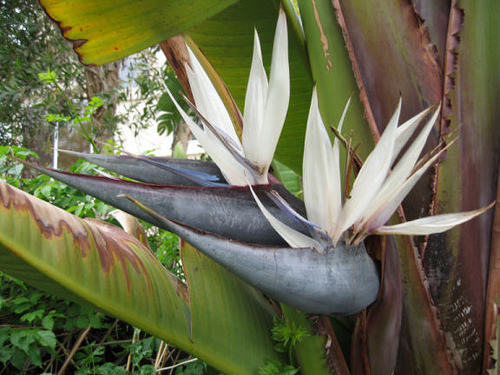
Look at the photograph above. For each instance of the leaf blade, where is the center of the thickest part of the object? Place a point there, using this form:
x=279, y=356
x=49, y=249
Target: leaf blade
x=63, y=249
x=105, y=31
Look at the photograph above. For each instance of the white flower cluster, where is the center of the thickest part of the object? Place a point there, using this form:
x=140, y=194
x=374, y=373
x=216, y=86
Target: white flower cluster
x=384, y=180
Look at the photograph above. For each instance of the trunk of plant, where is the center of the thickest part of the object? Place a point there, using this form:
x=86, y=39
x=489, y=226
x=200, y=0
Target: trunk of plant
x=104, y=79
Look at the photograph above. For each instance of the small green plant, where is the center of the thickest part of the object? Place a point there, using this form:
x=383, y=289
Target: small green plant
x=11, y=170
x=276, y=368
x=30, y=334
x=44, y=187
x=166, y=247
x=30, y=322
x=169, y=117
x=287, y=335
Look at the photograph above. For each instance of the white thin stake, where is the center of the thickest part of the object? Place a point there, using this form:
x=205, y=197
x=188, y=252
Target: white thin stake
x=55, y=154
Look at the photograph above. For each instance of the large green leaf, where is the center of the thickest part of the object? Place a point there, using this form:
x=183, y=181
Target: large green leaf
x=102, y=266
x=333, y=73
x=105, y=31
x=90, y=261
x=228, y=315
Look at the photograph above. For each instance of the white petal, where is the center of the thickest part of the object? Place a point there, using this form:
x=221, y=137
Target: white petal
x=321, y=172
x=255, y=100
x=232, y=170
x=207, y=100
x=406, y=130
x=341, y=122
x=261, y=150
x=371, y=176
x=405, y=165
x=385, y=208
x=432, y=224
x=291, y=236
x=401, y=171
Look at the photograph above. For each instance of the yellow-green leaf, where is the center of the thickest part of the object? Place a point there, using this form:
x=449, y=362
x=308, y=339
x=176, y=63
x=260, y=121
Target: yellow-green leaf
x=104, y=31
x=102, y=266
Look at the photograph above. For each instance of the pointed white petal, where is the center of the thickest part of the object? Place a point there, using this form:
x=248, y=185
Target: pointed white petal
x=207, y=100
x=255, y=99
x=432, y=224
x=335, y=233
x=385, y=206
x=321, y=172
x=371, y=176
x=406, y=130
x=261, y=150
x=401, y=171
x=341, y=122
x=405, y=165
x=290, y=235
x=232, y=170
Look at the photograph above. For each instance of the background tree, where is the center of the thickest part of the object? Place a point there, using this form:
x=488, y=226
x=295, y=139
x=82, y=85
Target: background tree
x=31, y=45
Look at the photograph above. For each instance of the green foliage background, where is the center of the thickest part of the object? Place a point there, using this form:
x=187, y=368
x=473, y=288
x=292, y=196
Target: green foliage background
x=31, y=44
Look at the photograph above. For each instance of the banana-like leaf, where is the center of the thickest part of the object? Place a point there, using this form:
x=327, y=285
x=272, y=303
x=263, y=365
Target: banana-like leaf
x=333, y=72
x=421, y=345
x=228, y=315
x=395, y=59
x=341, y=280
x=457, y=261
x=228, y=211
x=105, y=31
x=100, y=265
x=492, y=318
x=91, y=262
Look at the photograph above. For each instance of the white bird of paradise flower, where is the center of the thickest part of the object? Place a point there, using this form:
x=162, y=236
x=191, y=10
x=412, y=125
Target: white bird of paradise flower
x=383, y=182
x=381, y=185
x=266, y=105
